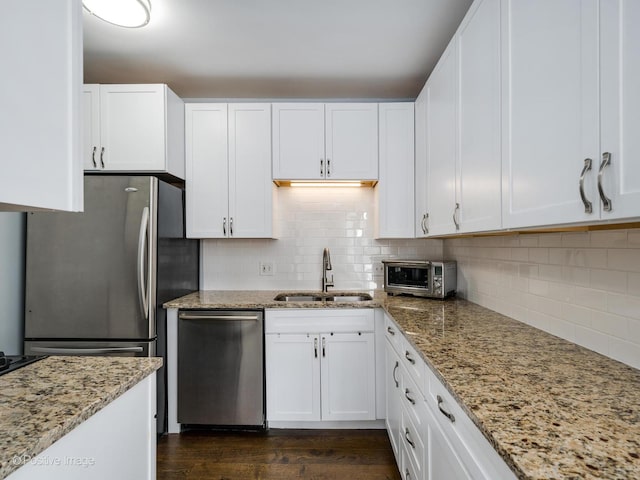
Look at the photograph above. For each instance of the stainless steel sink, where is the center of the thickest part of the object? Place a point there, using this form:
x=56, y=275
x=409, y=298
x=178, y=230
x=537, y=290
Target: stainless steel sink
x=284, y=297
x=360, y=297
x=319, y=297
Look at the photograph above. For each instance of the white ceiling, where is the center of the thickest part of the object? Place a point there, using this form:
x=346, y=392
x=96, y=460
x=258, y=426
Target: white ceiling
x=277, y=48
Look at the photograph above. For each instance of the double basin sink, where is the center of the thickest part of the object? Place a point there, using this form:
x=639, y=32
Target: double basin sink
x=323, y=297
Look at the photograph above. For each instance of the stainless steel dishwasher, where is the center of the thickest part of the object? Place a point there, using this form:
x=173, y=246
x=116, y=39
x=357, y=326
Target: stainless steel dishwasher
x=221, y=368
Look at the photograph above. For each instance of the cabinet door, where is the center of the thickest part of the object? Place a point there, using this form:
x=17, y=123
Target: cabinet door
x=348, y=376
x=441, y=143
x=250, y=185
x=479, y=160
x=132, y=127
x=207, y=181
x=351, y=141
x=620, y=109
x=550, y=110
x=392, y=418
x=91, y=126
x=298, y=141
x=421, y=208
x=395, y=188
x=292, y=367
x=40, y=105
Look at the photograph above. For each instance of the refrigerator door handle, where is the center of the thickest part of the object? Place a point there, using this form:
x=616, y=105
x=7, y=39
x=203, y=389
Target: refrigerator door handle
x=142, y=241
x=85, y=351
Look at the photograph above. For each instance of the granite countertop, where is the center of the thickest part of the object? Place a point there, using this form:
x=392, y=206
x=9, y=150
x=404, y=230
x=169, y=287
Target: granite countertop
x=550, y=408
x=43, y=401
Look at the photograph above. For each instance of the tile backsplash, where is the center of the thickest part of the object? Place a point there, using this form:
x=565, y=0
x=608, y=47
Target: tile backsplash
x=306, y=221
x=584, y=286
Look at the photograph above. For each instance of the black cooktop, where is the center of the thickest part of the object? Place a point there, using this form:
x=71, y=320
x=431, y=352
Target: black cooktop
x=9, y=363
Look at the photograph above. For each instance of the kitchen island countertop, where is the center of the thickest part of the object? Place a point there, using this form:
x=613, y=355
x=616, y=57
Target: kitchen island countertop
x=43, y=401
x=550, y=408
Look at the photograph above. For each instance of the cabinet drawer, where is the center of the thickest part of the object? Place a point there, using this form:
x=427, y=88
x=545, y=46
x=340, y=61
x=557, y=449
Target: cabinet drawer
x=320, y=320
x=473, y=449
x=393, y=333
x=412, y=442
x=414, y=364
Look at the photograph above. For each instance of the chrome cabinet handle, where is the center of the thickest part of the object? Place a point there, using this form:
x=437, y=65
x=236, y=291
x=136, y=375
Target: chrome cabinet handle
x=426, y=219
x=406, y=395
x=390, y=330
x=444, y=412
x=102, y=157
x=321, y=168
x=393, y=374
x=606, y=201
x=407, y=475
x=422, y=223
x=324, y=340
x=588, y=207
x=408, y=356
x=231, y=226
x=224, y=226
x=407, y=437
x=455, y=220
x=315, y=347
x=328, y=167
x=93, y=157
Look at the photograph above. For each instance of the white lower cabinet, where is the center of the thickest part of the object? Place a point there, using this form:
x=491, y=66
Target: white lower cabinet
x=320, y=365
x=432, y=438
x=119, y=441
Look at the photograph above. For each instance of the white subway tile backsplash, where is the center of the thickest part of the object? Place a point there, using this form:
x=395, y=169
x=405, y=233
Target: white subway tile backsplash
x=307, y=220
x=581, y=286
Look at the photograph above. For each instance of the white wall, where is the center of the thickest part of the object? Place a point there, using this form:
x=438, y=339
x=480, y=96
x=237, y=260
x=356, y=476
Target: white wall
x=12, y=228
x=584, y=287
x=307, y=220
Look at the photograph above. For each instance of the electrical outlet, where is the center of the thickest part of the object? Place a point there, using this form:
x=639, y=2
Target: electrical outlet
x=378, y=269
x=266, y=268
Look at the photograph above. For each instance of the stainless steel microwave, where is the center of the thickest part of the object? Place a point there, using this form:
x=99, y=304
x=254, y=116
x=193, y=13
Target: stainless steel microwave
x=422, y=278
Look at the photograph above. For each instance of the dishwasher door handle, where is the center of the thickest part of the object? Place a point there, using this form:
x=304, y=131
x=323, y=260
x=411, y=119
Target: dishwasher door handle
x=186, y=316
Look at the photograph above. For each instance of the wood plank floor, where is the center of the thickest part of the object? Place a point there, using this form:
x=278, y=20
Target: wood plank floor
x=277, y=454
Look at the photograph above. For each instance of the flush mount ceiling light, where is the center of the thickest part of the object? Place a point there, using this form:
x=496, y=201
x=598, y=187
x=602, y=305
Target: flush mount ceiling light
x=123, y=13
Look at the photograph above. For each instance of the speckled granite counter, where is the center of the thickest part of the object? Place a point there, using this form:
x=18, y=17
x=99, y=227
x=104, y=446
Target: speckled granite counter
x=552, y=409
x=42, y=402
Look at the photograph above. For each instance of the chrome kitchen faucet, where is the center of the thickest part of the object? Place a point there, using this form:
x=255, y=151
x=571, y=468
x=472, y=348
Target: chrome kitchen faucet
x=326, y=265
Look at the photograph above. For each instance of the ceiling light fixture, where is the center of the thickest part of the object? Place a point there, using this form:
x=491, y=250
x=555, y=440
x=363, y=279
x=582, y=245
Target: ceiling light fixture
x=123, y=13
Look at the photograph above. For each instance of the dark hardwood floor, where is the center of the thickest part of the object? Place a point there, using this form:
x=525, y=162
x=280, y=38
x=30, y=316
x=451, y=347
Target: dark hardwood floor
x=277, y=455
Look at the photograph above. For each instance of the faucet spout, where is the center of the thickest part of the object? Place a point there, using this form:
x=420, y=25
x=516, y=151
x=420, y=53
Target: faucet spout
x=326, y=265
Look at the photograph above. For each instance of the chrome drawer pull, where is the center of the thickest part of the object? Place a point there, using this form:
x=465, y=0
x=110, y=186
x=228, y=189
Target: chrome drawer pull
x=407, y=355
x=394, y=374
x=444, y=412
x=407, y=475
x=93, y=157
x=588, y=207
x=408, y=438
x=406, y=395
x=390, y=330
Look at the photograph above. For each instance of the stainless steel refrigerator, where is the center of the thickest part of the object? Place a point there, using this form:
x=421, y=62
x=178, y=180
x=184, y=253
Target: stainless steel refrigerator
x=96, y=281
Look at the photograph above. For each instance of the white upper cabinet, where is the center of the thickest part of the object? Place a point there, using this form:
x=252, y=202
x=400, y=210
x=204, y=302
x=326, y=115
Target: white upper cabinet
x=420, y=169
x=442, y=96
x=229, y=191
x=351, y=141
x=620, y=108
x=40, y=105
x=479, y=150
x=459, y=173
x=140, y=129
x=550, y=110
x=315, y=141
x=298, y=141
x=395, y=188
